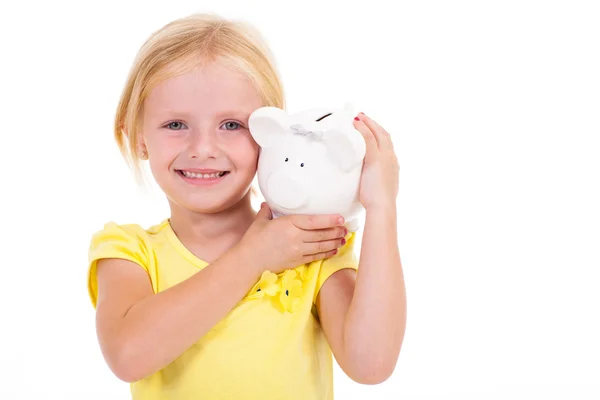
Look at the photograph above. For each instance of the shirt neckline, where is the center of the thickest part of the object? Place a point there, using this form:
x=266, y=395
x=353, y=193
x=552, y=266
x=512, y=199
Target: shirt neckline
x=180, y=247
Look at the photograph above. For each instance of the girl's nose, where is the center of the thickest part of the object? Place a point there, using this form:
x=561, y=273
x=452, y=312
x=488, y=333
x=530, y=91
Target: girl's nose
x=204, y=145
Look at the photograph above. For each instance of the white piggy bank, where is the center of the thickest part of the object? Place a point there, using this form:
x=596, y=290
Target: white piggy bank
x=310, y=162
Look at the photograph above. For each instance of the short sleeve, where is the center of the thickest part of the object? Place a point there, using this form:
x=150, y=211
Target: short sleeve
x=115, y=241
x=345, y=258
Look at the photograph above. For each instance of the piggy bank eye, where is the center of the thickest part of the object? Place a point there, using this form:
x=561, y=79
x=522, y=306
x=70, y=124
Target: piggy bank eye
x=302, y=165
x=286, y=159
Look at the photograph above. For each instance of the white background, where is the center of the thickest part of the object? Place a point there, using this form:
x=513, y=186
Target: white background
x=494, y=111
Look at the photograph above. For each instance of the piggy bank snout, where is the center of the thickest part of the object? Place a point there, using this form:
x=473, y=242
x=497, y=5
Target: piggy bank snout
x=287, y=191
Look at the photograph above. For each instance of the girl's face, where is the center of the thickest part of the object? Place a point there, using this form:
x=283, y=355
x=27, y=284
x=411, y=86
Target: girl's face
x=196, y=138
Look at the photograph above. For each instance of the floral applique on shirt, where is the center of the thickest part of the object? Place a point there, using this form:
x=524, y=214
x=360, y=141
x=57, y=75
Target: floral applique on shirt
x=284, y=289
x=291, y=291
x=266, y=286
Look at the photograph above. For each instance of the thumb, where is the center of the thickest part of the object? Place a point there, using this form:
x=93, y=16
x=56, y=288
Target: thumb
x=264, y=212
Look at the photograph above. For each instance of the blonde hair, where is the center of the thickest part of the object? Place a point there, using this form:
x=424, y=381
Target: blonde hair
x=181, y=46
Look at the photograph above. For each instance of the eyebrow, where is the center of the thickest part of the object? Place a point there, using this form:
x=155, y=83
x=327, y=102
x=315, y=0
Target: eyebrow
x=241, y=114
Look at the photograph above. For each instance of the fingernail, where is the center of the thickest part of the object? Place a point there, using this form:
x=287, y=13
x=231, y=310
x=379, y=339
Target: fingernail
x=335, y=251
x=356, y=119
x=341, y=220
x=343, y=241
x=345, y=231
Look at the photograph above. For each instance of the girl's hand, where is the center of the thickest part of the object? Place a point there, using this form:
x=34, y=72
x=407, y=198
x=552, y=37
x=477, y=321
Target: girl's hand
x=380, y=175
x=290, y=241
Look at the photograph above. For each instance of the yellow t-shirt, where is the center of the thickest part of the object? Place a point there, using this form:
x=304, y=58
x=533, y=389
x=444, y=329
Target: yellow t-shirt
x=270, y=346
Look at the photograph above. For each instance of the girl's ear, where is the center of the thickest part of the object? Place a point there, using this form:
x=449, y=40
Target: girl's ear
x=142, y=150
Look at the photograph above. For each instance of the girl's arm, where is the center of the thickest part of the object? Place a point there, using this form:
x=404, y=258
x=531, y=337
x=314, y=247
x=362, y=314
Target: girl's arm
x=141, y=332
x=364, y=319
x=363, y=315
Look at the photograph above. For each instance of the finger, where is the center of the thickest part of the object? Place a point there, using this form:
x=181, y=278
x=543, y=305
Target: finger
x=319, y=256
x=312, y=222
x=382, y=136
x=370, y=140
x=323, y=247
x=321, y=235
x=264, y=212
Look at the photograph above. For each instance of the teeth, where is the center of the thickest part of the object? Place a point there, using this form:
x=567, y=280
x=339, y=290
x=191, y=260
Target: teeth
x=202, y=176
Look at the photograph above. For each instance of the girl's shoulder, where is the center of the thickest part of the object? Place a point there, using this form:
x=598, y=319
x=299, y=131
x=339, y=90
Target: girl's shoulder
x=114, y=230
x=129, y=241
x=119, y=239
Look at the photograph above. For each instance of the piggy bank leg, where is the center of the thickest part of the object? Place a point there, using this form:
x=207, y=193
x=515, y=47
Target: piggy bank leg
x=352, y=224
x=275, y=214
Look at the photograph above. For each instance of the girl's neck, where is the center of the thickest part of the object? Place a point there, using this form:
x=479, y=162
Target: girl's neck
x=212, y=234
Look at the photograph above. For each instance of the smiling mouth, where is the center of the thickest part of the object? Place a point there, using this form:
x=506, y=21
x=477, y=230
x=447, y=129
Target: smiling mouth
x=200, y=175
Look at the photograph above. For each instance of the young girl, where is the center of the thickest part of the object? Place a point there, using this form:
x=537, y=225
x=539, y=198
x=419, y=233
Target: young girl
x=218, y=301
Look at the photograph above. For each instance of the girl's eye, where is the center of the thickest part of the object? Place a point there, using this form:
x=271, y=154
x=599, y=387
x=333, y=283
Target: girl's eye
x=175, y=125
x=231, y=125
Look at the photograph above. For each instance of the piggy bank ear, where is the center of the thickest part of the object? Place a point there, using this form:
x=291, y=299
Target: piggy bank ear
x=347, y=149
x=267, y=125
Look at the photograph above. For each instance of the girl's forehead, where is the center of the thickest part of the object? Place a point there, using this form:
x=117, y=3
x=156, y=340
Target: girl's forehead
x=201, y=81
x=213, y=87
